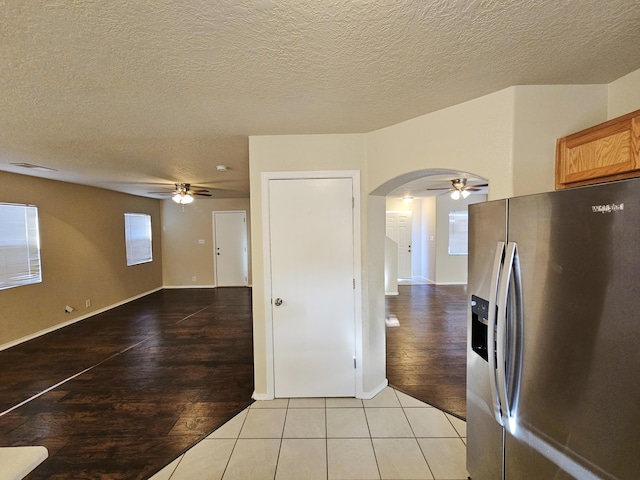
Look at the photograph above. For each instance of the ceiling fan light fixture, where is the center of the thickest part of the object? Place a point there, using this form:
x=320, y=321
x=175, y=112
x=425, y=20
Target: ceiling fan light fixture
x=455, y=195
x=465, y=193
x=182, y=198
x=407, y=199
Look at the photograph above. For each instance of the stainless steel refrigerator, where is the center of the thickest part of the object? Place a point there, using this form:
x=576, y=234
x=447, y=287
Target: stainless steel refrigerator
x=553, y=373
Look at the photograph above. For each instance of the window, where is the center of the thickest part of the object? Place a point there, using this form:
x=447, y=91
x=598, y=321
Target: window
x=458, y=232
x=19, y=245
x=137, y=233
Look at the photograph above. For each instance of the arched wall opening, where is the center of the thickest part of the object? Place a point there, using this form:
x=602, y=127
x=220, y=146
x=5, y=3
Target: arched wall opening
x=415, y=183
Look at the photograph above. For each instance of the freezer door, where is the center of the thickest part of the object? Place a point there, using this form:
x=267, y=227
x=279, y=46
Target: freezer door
x=578, y=414
x=487, y=229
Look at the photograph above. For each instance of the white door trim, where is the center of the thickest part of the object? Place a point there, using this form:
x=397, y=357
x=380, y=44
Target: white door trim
x=357, y=251
x=246, y=246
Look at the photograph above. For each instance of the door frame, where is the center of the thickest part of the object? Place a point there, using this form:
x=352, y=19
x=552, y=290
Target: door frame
x=354, y=175
x=246, y=246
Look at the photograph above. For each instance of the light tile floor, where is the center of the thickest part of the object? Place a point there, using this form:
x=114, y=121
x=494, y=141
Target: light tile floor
x=392, y=436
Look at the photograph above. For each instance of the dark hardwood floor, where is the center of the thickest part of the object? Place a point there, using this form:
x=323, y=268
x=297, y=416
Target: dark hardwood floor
x=128, y=390
x=426, y=354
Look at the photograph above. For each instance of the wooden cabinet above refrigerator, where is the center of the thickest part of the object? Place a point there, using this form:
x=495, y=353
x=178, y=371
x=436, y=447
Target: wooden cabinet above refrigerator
x=605, y=152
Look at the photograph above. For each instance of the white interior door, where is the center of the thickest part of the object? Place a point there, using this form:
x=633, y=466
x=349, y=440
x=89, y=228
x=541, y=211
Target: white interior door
x=312, y=286
x=399, y=230
x=230, y=248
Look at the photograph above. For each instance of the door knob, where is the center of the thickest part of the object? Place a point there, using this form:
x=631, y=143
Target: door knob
x=278, y=302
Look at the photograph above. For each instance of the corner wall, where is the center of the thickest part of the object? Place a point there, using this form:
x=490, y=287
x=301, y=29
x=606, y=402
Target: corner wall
x=82, y=252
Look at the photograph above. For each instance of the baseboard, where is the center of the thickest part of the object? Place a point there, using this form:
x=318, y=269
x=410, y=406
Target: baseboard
x=75, y=320
x=372, y=393
x=173, y=287
x=364, y=395
x=451, y=283
x=391, y=294
x=260, y=396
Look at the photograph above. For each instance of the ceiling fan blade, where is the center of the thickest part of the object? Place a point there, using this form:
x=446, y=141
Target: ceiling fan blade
x=202, y=194
x=161, y=193
x=444, y=188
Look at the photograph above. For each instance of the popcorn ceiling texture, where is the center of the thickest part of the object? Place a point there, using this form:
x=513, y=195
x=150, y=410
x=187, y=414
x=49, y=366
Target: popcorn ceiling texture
x=165, y=90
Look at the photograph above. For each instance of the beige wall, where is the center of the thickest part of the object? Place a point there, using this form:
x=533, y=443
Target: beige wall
x=183, y=257
x=543, y=114
x=450, y=269
x=82, y=251
x=624, y=95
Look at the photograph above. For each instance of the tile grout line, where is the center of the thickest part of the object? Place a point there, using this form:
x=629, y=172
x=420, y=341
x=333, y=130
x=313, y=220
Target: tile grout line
x=235, y=443
x=326, y=439
x=415, y=437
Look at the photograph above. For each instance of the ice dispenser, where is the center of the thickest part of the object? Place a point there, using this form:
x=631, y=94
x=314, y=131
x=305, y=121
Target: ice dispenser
x=479, y=326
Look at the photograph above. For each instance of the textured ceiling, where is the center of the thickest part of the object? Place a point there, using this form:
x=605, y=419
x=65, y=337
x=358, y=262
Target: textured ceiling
x=122, y=92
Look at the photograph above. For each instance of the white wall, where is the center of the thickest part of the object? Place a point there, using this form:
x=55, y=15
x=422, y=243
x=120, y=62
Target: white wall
x=281, y=154
x=450, y=269
x=474, y=137
x=373, y=299
x=390, y=267
x=624, y=95
x=543, y=114
x=429, y=238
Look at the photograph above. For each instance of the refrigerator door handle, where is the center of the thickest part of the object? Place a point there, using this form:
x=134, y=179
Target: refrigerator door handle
x=508, y=324
x=491, y=330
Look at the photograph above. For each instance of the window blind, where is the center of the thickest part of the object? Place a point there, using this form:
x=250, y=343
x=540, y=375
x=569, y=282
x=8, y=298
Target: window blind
x=137, y=232
x=458, y=232
x=19, y=245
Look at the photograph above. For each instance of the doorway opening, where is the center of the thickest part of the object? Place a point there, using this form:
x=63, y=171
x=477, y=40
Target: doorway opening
x=426, y=310
x=231, y=258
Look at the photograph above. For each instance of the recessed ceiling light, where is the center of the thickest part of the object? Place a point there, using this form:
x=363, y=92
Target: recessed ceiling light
x=222, y=168
x=34, y=167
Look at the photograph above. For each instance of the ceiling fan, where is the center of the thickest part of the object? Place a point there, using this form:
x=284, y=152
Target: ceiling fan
x=460, y=189
x=184, y=193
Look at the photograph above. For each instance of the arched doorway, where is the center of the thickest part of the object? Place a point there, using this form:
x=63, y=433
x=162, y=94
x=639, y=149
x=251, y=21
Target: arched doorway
x=426, y=346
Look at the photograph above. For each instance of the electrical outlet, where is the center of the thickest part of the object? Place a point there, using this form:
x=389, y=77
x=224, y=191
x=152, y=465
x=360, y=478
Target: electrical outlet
x=87, y=303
